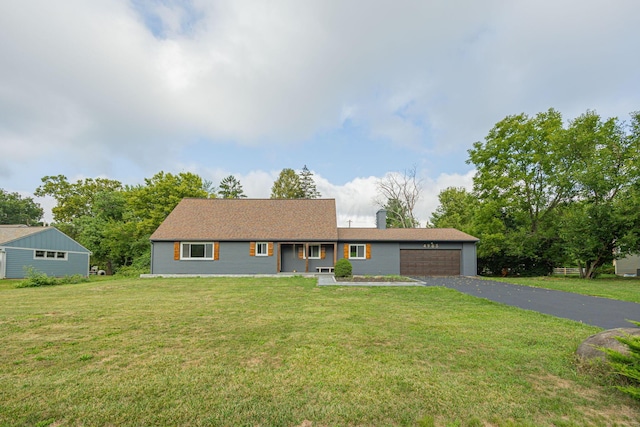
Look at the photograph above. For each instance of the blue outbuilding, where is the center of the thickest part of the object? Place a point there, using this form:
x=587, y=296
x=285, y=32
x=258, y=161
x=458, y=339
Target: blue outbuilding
x=45, y=249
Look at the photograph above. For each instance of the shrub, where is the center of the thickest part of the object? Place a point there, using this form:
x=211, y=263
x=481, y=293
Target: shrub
x=37, y=278
x=343, y=268
x=627, y=366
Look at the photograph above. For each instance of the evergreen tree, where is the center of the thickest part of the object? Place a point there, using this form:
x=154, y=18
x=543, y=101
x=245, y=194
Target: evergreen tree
x=308, y=185
x=230, y=188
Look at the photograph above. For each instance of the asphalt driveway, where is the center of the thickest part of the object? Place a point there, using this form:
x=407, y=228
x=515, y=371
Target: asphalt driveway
x=595, y=311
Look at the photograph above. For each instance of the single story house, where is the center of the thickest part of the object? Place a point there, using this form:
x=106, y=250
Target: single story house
x=45, y=249
x=271, y=236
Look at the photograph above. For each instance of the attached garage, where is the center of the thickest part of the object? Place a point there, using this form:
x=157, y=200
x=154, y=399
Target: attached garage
x=429, y=262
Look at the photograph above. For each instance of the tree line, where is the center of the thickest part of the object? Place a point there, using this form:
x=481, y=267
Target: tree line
x=546, y=194
x=114, y=221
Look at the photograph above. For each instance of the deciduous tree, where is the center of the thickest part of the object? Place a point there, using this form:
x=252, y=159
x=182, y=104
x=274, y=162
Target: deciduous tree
x=74, y=200
x=287, y=185
x=603, y=220
x=398, y=193
x=15, y=209
x=152, y=202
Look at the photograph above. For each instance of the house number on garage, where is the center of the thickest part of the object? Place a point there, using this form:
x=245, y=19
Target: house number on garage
x=430, y=245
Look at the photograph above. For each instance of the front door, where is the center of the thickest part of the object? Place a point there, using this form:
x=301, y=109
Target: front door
x=292, y=259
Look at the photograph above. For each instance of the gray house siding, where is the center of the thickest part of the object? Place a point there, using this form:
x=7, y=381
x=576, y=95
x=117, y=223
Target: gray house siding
x=234, y=258
x=469, y=259
x=17, y=260
x=19, y=255
x=385, y=257
x=50, y=239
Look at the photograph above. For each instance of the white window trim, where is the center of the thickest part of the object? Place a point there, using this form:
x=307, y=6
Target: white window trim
x=205, y=258
x=364, y=251
x=53, y=258
x=266, y=248
x=319, y=251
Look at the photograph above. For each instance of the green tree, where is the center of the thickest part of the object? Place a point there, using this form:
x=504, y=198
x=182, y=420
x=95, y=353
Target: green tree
x=457, y=209
x=525, y=165
x=151, y=203
x=287, y=186
x=96, y=232
x=15, y=209
x=524, y=172
x=548, y=194
x=308, y=185
x=399, y=215
x=74, y=200
x=603, y=220
x=230, y=188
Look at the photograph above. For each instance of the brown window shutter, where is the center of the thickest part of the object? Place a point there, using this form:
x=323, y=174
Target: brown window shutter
x=216, y=251
x=368, y=250
x=323, y=252
x=176, y=251
x=270, y=249
x=346, y=251
x=252, y=249
x=301, y=252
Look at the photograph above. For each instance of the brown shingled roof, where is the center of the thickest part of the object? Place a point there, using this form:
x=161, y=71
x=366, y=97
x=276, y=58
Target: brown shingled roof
x=404, y=234
x=251, y=219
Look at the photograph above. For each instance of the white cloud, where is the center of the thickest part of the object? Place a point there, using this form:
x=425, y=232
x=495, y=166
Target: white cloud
x=85, y=79
x=355, y=200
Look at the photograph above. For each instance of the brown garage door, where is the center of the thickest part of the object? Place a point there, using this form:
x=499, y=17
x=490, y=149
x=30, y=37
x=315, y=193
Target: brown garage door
x=419, y=262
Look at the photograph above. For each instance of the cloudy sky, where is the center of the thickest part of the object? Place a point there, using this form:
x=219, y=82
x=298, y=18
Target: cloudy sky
x=354, y=89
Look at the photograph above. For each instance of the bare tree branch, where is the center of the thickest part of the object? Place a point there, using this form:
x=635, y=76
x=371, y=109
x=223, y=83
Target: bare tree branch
x=399, y=193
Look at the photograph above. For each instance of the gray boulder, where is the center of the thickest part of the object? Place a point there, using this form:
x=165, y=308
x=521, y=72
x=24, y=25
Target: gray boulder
x=589, y=349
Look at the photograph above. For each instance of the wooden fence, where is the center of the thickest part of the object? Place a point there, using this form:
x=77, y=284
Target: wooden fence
x=566, y=270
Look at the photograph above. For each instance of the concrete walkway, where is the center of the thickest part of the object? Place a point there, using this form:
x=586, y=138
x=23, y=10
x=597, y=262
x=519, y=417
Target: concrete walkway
x=602, y=312
x=330, y=280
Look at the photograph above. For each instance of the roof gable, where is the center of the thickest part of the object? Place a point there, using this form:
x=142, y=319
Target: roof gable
x=21, y=236
x=250, y=219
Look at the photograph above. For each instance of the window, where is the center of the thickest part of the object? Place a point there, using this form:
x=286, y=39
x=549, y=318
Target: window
x=62, y=256
x=314, y=251
x=262, y=249
x=357, y=251
x=199, y=251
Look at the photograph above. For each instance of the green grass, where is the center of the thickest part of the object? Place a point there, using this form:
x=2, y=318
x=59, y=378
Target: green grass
x=620, y=288
x=285, y=352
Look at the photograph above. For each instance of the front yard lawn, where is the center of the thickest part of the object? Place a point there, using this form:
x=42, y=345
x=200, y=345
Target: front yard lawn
x=285, y=352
